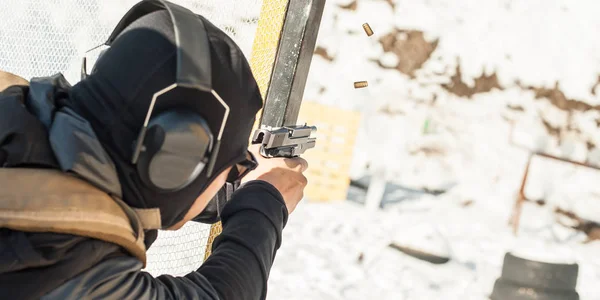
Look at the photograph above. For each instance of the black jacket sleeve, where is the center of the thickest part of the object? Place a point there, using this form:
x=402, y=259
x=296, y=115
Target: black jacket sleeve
x=243, y=253
x=238, y=267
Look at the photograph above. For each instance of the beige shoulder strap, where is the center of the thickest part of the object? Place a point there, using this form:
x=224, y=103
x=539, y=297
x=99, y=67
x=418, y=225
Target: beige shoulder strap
x=39, y=200
x=8, y=79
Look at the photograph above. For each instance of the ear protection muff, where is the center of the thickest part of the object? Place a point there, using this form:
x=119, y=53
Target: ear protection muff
x=175, y=146
x=174, y=150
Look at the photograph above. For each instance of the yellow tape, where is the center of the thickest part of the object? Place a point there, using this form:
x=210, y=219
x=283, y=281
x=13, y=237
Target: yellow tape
x=215, y=230
x=266, y=40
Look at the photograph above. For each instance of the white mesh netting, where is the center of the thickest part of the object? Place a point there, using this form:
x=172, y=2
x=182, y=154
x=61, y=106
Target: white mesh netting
x=42, y=37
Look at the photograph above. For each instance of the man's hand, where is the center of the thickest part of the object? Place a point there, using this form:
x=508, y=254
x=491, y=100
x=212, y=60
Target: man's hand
x=285, y=174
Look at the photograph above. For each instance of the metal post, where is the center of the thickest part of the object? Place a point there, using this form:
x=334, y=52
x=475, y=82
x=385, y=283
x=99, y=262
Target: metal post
x=376, y=191
x=295, y=49
x=292, y=64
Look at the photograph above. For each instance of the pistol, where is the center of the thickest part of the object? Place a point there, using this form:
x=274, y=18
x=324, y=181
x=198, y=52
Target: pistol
x=286, y=141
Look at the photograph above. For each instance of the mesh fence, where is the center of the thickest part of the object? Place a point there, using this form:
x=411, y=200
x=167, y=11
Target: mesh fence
x=43, y=37
x=39, y=37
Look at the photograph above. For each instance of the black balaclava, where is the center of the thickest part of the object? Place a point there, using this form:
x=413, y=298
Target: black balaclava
x=115, y=98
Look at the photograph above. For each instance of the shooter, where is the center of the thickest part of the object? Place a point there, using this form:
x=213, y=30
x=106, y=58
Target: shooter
x=144, y=142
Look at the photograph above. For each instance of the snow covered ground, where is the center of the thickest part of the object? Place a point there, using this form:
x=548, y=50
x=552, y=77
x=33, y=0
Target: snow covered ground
x=529, y=46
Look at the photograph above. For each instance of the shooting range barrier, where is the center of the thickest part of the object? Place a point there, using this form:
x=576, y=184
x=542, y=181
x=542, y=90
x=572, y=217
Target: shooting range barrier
x=329, y=162
x=522, y=197
x=515, y=217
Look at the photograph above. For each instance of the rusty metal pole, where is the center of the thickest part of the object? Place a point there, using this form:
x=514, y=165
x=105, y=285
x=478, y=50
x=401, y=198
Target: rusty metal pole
x=520, y=198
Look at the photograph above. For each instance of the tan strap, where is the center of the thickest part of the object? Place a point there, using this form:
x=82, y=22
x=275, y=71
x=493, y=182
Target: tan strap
x=41, y=200
x=150, y=217
x=76, y=224
x=8, y=79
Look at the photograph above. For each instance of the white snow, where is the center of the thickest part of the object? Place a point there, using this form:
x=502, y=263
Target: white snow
x=389, y=60
x=476, y=148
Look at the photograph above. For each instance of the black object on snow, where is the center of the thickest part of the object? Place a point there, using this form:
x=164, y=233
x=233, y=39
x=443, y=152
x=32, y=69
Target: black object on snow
x=506, y=290
x=540, y=274
x=526, y=279
x=428, y=257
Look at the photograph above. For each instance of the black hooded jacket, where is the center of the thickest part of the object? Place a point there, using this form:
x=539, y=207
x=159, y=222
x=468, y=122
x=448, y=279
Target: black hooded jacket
x=114, y=101
x=142, y=60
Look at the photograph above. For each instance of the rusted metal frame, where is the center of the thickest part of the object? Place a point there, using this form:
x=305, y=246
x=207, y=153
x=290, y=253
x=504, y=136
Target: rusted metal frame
x=521, y=198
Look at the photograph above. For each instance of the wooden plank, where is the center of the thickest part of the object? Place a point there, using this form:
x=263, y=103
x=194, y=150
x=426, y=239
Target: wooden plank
x=329, y=162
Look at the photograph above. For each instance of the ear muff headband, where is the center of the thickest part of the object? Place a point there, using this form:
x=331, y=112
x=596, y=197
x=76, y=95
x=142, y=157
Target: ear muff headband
x=193, y=68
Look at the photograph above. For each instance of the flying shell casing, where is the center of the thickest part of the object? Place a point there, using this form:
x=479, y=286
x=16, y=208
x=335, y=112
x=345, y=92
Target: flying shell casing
x=360, y=84
x=367, y=29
